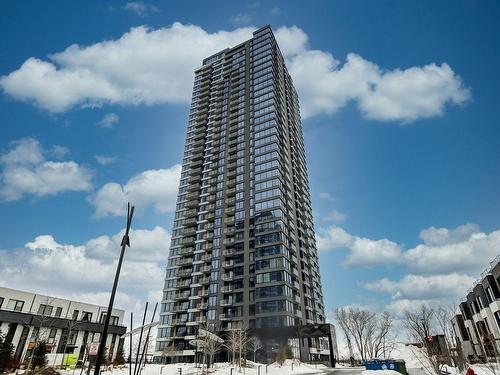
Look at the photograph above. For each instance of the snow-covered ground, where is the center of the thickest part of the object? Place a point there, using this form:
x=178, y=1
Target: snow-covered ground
x=414, y=358
x=220, y=369
x=416, y=362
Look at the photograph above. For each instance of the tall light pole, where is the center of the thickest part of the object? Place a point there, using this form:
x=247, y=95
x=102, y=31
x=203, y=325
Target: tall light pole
x=125, y=243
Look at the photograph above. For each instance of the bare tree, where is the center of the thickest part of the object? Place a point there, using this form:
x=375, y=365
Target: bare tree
x=420, y=325
x=254, y=345
x=379, y=341
x=369, y=331
x=211, y=343
x=232, y=344
x=444, y=316
x=237, y=342
x=43, y=323
x=343, y=319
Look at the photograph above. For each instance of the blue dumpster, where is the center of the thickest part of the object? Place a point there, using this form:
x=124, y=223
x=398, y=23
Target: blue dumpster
x=387, y=364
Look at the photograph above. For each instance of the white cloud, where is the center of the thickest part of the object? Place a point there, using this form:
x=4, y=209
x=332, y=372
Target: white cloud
x=332, y=238
x=325, y=86
x=33, y=267
x=443, y=236
x=105, y=160
x=140, y=8
x=367, y=252
x=241, y=19
x=149, y=245
x=109, y=120
x=363, y=252
x=153, y=187
x=327, y=196
x=291, y=40
x=113, y=72
x=59, y=151
x=336, y=216
x=418, y=287
x=275, y=11
x=465, y=249
x=25, y=171
x=438, y=271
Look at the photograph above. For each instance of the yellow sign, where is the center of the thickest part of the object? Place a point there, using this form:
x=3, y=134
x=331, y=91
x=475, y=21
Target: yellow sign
x=70, y=360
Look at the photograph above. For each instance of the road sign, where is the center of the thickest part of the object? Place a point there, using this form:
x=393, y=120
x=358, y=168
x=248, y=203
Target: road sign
x=93, y=348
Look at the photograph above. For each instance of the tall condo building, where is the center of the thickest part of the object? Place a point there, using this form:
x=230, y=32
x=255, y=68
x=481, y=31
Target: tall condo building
x=243, y=250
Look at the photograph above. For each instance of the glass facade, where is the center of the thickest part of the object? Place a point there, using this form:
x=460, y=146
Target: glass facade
x=243, y=250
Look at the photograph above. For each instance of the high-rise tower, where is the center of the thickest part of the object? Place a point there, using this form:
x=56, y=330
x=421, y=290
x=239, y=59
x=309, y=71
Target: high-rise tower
x=243, y=250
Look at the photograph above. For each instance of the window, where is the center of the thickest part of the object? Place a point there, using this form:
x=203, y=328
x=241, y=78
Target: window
x=479, y=303
x=75, y=314
x=52, y=335
x=1, y=301
x=15, y=305
x=269, y=277
x=113, y=321
x=270, y=306
x=72, y=337
x=86, y=316
x=58, y=312
x=45, y=310
x=269, y=263
x=489, y=294
x=497, y=318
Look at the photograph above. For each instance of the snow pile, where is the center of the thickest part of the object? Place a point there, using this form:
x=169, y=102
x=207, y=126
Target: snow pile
x=413, y=356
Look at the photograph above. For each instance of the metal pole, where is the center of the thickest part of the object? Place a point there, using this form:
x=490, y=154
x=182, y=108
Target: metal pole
x=130, y=344
x=147, y=336
x=125, y=243
x=140, y=338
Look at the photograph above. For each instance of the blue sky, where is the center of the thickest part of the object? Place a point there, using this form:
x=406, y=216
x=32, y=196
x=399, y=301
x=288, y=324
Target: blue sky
x=404, y=174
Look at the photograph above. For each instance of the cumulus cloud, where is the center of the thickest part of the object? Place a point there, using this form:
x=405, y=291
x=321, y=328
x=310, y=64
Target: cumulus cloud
x=367, y=252
x=291, y=40
x=105, y=160
x=59, y=151
x=149, y=245
x=439, y=270
x=113, y=72
x=241, y=19
x=140, y=8
x=153, y=187
x=332, y=238
x=363, y=252
x=462, y=249
x=32, y=267
x=443, y=236
x=325, y=86
x=326, y=196
x=336, y=216
x=419, y=287
x=25, y=171
x=109, y=120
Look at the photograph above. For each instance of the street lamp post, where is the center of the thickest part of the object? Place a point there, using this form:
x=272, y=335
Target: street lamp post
x=125, y=242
